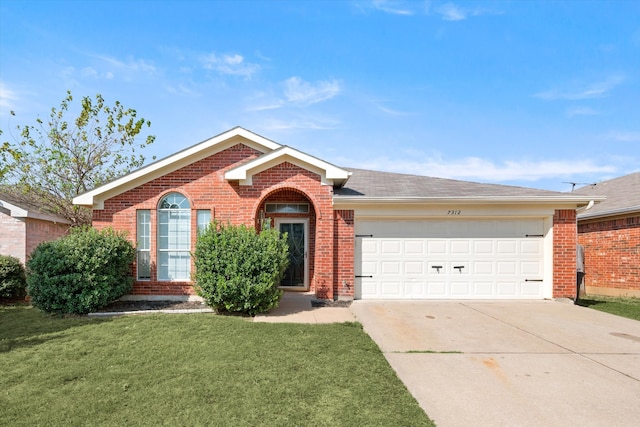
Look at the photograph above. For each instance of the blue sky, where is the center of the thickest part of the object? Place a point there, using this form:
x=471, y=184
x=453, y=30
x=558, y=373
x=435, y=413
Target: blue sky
x=531, y=93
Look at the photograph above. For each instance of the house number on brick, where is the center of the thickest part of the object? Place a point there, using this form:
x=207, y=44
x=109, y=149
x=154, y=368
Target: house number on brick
x=454, y=212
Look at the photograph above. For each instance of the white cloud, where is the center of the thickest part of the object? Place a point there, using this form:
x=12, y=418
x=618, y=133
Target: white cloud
x=474, y=168
x=451, y=12
x=301, y=92
x=8, y=97
x=597, y=89
x=234, y=65
x=134, y=65
x=393, y=7
x=623, y=136
x=390, y=111
x=581, y=111
x=300, y=123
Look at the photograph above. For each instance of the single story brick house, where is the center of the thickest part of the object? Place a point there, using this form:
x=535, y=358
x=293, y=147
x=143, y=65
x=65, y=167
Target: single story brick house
x=610, y=234
x=24, y=225
x=352, y=233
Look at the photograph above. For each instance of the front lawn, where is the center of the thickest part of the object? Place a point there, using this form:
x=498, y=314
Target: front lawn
x=197, y=369
x=626, y=307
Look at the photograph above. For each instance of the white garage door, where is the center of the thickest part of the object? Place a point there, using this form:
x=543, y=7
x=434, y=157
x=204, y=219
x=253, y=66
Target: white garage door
x=449, y=259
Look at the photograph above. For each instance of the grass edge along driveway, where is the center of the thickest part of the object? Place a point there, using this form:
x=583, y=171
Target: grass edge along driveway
x=195, y=369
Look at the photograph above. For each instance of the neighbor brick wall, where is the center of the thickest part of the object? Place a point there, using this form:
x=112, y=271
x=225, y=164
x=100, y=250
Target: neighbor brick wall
x=12, y=236
x=39, y=231
x=564, y=253
x=20, y=236
x=203, y=183
x=612, y=255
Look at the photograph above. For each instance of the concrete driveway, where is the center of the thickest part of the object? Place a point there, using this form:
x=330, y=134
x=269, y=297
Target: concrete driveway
x=511, y=363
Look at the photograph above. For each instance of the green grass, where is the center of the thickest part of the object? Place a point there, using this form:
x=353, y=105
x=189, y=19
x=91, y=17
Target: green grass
x=626, y=307
x=197, y=369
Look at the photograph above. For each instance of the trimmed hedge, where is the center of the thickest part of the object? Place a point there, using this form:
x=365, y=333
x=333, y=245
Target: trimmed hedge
x=81, y=272
x=13, y=280
x=239, y=270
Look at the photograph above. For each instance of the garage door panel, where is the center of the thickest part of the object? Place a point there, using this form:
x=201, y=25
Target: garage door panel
x=436, y=289
x=391, y=247
x=484, y=247
x=533, y=247
x=436, y=247
x=483, y=289
x=507, y=247
x=390, y=268
x=531, y=268
x=507, y=267
x=460, y=289
x=484, y=267
x=370, y=246
x=417, y=259
x=506, y=289
x=414, y=268
x=391, y=289
x=460, y=247
x=370, y=268
x=531, y=289
x=414, y=247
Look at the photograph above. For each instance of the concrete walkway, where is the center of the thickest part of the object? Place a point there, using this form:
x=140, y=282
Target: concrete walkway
x=537, y=363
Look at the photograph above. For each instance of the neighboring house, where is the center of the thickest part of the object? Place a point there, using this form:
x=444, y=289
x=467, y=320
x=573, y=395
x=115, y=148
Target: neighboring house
x=610, y=234
x=23, y=226
x=352, y=233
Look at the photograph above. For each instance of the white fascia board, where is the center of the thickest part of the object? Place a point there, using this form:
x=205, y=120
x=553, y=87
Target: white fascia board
x=328, y=172
x=96, y=197
x=19, y=212
x=16, y=211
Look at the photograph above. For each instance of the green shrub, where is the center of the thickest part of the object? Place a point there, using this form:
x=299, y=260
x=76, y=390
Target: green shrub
x=13, y=281
x=239, y=270
x=81, y=272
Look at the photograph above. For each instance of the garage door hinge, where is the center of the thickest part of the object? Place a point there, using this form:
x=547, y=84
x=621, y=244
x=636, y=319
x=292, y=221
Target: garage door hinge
x=533, y=280
x=364, y=235
x=534, y=235
x=369, y=277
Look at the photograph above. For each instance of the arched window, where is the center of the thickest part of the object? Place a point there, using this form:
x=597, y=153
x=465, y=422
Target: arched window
x=174, y=238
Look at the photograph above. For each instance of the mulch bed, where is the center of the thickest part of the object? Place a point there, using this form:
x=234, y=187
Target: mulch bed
x=119, y=306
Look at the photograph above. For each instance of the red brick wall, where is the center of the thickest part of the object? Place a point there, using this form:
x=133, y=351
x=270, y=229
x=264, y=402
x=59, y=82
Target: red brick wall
x=343, y=256
x=203, y=183
x=612, y=254
x=564, y=253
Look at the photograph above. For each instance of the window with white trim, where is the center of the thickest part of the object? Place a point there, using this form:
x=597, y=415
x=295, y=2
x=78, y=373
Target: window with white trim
x=287, y=208
x=143, y=244
x=174, y=238
x=203, y=219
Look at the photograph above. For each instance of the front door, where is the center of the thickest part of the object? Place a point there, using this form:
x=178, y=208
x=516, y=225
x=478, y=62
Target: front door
x=296, y=276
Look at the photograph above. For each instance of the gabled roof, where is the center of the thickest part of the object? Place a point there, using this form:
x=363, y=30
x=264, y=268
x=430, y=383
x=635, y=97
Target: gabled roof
x=96, y=197
x=24, y=208
x=366, y=186
x=330, y=174
x=622, y=197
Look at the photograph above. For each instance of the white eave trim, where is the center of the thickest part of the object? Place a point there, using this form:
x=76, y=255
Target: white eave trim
x=330, y=174
x=20, y=212
x=95, y=198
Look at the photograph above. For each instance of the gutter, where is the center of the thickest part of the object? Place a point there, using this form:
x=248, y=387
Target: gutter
x=621, y=211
